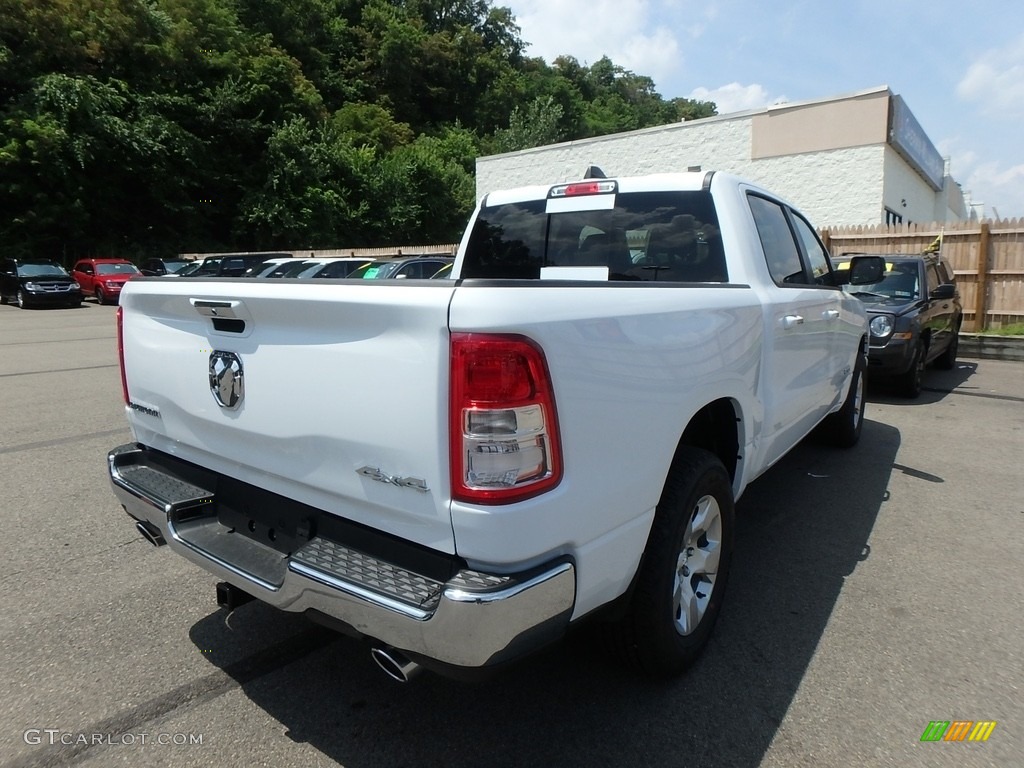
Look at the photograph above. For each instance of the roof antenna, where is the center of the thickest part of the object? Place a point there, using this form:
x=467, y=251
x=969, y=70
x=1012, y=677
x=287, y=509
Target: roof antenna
x=593, y=172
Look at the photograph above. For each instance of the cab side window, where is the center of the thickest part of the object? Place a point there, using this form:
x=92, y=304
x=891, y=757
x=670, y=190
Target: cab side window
x=780, y=249
x=817, y=256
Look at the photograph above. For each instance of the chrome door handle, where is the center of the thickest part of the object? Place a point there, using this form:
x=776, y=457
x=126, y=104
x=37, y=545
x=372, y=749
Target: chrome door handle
x=790, y=321
x=831, y=314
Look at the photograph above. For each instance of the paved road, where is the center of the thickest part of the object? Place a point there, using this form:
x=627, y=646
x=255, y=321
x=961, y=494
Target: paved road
x=874, y=590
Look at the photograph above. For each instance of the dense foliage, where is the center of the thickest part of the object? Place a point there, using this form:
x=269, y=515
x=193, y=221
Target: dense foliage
x=138, y=127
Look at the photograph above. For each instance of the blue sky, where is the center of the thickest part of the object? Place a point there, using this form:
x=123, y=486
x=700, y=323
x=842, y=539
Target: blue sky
x=959, y=66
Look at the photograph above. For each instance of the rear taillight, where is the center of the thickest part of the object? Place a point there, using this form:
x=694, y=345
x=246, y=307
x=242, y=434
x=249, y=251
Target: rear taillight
x=120, y=353
x=503, y=431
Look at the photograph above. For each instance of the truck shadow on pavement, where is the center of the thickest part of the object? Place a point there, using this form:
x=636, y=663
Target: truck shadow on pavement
x=803, y=528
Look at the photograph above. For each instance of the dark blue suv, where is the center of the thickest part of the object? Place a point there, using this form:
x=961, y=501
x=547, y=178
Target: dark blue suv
x=914, y=317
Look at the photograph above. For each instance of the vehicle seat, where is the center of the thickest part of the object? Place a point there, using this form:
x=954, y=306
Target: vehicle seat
x=678, y=255
x=604, y=250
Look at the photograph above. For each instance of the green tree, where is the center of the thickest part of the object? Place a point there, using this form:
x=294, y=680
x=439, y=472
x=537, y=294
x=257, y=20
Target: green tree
x=535, y=126
x=689, y=109
x=130, y=127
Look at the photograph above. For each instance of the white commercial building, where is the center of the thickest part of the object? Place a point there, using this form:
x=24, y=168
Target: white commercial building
x=858, y=159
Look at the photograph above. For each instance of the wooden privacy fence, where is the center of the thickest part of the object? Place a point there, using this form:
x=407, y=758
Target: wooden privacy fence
x=987, y=257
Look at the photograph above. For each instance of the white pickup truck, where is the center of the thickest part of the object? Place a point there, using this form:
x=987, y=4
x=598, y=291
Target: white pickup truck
x=456, y=470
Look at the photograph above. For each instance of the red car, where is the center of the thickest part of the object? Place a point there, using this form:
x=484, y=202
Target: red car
x=103, y=278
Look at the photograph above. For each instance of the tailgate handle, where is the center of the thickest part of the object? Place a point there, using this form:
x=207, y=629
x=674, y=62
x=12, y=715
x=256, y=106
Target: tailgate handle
x=215, y=308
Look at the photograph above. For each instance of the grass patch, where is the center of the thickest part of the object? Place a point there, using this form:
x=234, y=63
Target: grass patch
x=1015, y=329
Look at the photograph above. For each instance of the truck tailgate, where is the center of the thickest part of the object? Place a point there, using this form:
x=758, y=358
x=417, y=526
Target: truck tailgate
x=343, y=403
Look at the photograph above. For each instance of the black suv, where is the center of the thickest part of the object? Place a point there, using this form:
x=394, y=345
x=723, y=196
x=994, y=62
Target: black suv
x=37, y=282
x=915, y=316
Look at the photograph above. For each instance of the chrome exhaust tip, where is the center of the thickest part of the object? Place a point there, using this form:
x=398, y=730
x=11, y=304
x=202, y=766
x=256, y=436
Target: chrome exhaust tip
x=150, y=533
x=395, y=664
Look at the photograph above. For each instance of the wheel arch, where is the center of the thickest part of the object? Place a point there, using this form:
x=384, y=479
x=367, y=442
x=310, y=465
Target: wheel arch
x=717, y=428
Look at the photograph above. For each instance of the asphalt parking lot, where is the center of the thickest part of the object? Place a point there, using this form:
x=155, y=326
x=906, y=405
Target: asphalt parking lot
x=874, y=591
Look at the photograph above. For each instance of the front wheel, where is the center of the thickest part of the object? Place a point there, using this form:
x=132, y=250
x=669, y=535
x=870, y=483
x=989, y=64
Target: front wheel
x=100, y=298
x=22, y=301
x=683, y=572
x=910, y=383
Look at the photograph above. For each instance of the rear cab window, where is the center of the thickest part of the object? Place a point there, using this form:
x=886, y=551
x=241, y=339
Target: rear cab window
x=636, y=236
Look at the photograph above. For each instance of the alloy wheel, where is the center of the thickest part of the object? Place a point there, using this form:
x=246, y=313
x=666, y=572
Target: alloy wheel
x=697, y=565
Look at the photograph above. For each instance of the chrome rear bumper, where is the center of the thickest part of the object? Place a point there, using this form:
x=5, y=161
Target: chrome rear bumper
x=472, y=619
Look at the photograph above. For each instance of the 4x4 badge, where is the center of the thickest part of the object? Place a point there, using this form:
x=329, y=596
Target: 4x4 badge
x=226, y=380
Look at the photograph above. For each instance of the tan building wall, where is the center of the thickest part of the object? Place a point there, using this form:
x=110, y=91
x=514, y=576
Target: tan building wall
x=858, y=121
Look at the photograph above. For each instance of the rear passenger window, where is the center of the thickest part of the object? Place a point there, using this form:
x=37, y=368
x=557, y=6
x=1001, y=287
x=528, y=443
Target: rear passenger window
x=817, y=257
x=780, y=249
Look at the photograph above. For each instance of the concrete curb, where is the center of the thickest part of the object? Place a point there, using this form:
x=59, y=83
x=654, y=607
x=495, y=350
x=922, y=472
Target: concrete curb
x=985, y=347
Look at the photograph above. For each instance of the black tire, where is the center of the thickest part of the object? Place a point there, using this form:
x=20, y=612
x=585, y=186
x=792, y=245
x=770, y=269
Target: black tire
x=947, y=360
x=909, y=384
x=842, y=428
x=22, y=301
x=657, y=636
x=3, y=299
x=100, y=298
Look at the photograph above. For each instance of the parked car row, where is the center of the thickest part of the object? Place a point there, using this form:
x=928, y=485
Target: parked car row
x=44, y=282
x=354, y=267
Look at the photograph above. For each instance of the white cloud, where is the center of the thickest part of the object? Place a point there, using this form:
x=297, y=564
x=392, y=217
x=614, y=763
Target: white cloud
x=736, y=98
x=997, y=187
x=585, y=29
x=996, y=79
x=992, y=184
x=635, y=34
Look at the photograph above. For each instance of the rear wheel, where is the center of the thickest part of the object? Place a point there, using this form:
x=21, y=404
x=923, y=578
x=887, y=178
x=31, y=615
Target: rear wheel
x=683, y=572
x=947, y=360
x=843, y=427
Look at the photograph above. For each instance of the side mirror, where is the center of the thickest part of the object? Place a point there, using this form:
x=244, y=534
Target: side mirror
x=943, y=292
x=864, y=270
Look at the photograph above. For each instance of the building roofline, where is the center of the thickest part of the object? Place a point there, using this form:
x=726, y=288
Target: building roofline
x=682, y=124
